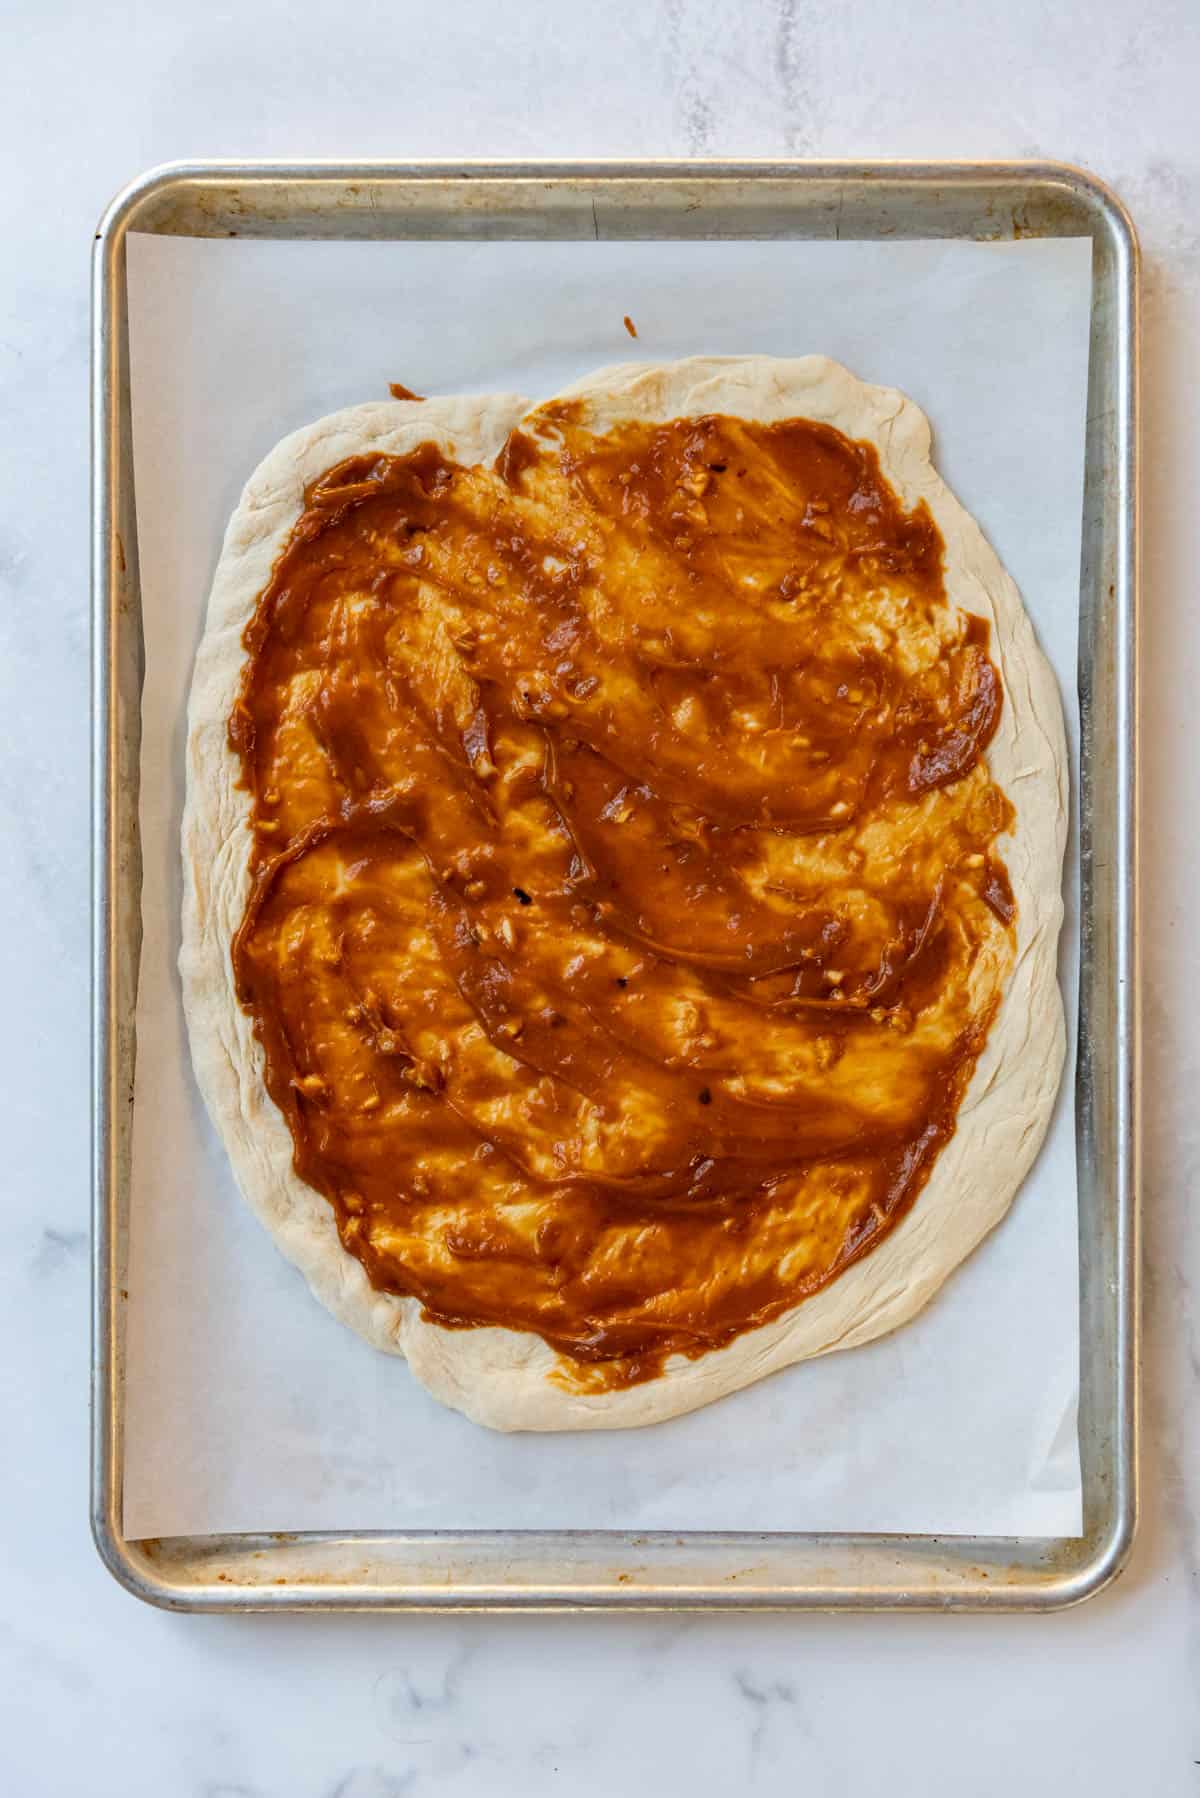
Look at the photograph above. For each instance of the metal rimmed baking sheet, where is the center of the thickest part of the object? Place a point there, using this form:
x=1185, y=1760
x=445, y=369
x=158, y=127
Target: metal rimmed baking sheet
x=667, y=202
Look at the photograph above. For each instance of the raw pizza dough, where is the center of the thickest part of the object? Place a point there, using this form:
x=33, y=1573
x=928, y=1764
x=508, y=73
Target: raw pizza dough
x=497, y=1376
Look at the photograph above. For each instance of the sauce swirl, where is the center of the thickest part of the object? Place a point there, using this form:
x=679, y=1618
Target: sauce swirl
x=626, y=918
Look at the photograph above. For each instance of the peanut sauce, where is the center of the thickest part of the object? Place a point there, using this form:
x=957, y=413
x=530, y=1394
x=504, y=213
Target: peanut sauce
x=626, y=919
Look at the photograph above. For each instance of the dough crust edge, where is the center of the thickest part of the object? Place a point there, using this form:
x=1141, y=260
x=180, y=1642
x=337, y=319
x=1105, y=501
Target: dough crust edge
x=501, y=1377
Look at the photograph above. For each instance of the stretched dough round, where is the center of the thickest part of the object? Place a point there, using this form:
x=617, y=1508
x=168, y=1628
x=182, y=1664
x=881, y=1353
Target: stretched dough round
x=500, y=1377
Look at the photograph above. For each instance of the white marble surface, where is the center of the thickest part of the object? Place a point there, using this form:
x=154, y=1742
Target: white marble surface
x=101, y=1696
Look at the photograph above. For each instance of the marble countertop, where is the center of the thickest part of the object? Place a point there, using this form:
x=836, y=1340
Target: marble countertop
x=102, y=1696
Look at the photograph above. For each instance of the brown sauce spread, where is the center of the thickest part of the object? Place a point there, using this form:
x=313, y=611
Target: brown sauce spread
x=626, y=919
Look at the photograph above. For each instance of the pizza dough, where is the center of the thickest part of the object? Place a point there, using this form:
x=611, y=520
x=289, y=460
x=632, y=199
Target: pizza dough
x=510, y=1379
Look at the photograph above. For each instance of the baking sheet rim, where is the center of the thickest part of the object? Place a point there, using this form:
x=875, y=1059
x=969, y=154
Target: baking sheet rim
x=588, y=1569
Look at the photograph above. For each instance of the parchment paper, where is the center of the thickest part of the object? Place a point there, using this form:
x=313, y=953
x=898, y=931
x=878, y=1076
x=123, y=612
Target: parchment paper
x=248, y=1407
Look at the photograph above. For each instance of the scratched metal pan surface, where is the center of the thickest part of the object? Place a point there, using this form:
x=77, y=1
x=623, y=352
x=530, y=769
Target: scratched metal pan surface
x=598, y=1570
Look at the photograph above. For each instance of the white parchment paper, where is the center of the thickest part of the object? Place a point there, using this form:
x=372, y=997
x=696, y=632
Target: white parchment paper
x=248, y=1407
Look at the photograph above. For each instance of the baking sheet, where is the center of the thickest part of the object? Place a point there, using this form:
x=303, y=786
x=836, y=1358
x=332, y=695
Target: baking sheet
x=248, y=1408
